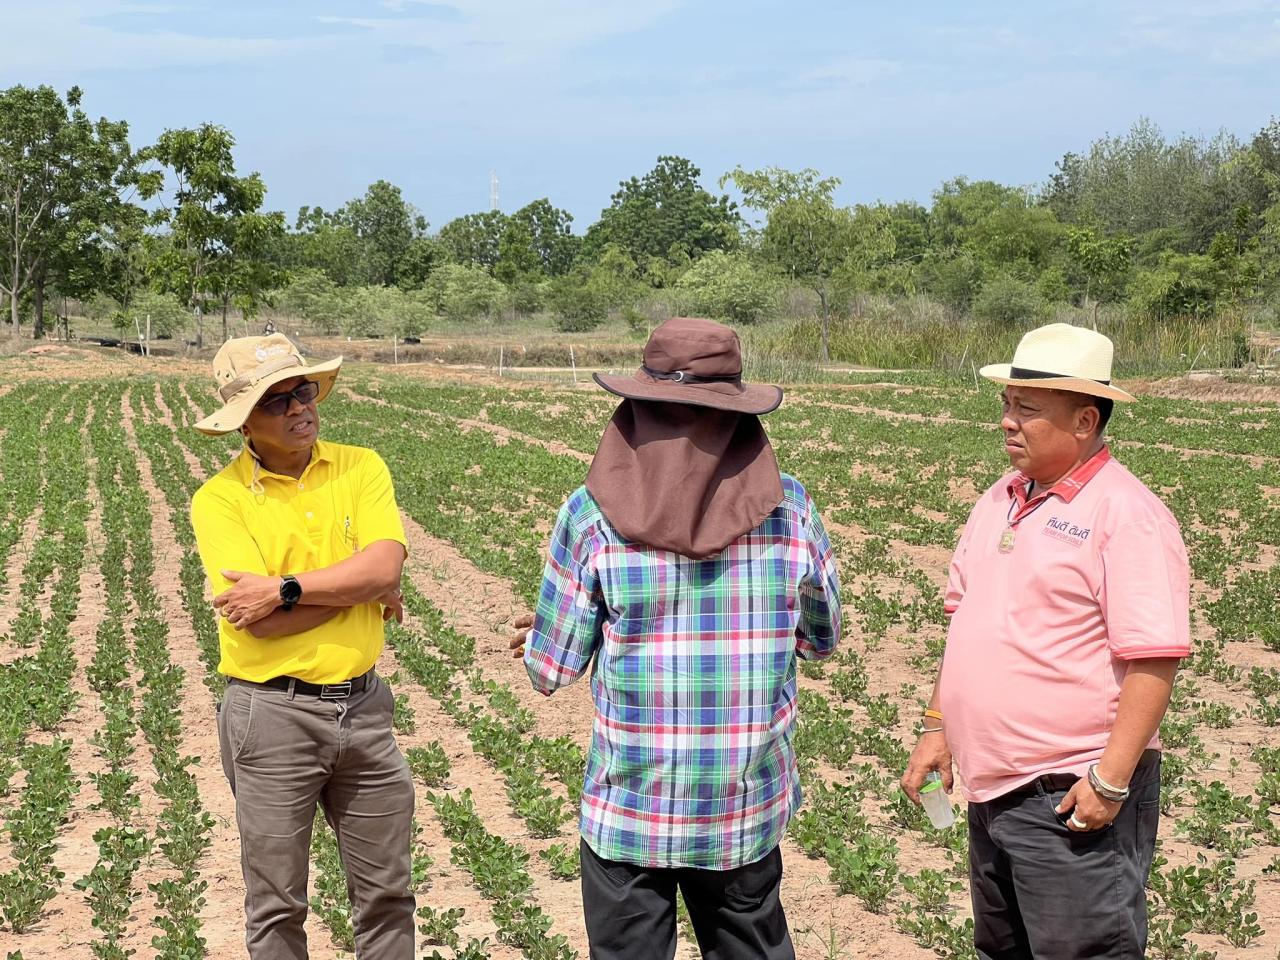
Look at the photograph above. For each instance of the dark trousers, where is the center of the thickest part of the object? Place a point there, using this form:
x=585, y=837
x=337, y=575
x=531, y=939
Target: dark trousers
x=631, y=911
x=1045, y=892
x=284, y=755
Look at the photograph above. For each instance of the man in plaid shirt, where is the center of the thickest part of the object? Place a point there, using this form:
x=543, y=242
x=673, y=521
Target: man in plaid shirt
x=694, y=574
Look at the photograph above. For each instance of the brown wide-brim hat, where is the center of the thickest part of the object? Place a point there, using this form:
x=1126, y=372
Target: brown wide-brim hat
x=694, y=361
x=247, y=367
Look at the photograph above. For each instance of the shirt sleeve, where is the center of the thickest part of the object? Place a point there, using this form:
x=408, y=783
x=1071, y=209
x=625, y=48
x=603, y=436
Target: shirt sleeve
x=818, y=630
x=223, y=540
x=570, y=612
x=1146, y=591
x=379, y=517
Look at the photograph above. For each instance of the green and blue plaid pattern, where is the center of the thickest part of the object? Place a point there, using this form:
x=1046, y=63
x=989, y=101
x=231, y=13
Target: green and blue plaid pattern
x=694, y=681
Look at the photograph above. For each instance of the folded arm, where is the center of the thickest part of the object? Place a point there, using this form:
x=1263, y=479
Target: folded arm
x=285, y=623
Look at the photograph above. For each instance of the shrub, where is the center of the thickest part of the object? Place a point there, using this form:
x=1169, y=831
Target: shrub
x=728, y=286
x=1009, y=301
x=579, y=305
x=314, y=297
x=464, y=292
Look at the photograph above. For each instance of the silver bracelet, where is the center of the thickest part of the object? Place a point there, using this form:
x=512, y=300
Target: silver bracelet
x=1105, y=790
x=922, y=729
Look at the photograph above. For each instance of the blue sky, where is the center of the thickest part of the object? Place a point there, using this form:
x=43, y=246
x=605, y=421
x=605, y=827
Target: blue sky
x=564, y=98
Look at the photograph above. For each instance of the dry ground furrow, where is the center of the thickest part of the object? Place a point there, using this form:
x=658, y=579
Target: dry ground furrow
x=451, y=886
x=223, y=916
x=480, y=605
x=503, y=434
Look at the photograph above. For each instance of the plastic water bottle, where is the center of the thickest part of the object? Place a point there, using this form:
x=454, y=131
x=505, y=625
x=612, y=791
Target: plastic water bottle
x=935, y=801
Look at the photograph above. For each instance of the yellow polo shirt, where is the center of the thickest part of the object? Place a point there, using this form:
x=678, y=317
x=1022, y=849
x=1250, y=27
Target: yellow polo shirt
x=343, y=502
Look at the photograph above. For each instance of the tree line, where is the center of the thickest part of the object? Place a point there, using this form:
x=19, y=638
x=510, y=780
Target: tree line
x=1165, y=227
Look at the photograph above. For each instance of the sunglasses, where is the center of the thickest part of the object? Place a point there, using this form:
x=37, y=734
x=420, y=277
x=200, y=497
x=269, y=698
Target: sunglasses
x=277, y=403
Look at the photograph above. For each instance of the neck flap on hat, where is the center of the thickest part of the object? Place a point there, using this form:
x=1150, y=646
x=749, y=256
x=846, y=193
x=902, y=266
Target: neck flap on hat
x=681, y=478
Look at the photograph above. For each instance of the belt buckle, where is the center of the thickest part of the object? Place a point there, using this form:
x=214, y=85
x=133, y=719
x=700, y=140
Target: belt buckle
x=336, y=691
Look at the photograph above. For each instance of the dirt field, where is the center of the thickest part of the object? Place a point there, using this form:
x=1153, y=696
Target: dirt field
x=480, y=466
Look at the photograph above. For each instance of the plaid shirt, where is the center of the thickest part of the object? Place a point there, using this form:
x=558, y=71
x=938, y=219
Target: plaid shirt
x=694, y=680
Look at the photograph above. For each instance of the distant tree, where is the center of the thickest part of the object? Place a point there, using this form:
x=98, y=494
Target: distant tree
x=387, y=226
x=518, y=261
x=422, y=257
x=326, y=241
x=219, y=239
x=1101, y=260
x=474, y=240
x=1142, y=182
x=64, y=182
x=664, y=214
x=551, y=236
x=806, y=236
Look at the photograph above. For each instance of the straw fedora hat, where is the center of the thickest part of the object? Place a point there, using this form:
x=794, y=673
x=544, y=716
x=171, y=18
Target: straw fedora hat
x=247, y=367
x=1061, y=356
x=694, y=361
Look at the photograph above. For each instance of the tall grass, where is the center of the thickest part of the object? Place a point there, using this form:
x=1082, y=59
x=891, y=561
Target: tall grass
x=920, y=334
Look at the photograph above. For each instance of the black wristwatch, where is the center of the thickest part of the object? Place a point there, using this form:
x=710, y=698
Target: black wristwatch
x=290, y=591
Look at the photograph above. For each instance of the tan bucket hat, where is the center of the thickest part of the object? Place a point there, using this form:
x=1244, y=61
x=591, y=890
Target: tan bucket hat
x=246, y=367
x=694, y=361
x=1061, y=356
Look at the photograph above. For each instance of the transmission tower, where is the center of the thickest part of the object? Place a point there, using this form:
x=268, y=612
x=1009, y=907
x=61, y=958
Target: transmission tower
x=493, y=190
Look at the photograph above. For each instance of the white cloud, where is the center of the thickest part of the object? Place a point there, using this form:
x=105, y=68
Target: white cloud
x=82, y=42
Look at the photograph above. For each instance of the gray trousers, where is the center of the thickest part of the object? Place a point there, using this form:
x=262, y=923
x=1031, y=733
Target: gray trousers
x=1043, y=892
x=282, y=757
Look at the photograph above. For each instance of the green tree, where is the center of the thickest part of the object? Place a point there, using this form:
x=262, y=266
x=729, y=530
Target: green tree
x=806, y=235
x=517, y=260
x=219, y=239
x=1102, y=261
x=551, y=236
x=325, y=241
x=387, y=225
x=474, y=240
x=662, y=216
x=64, y=182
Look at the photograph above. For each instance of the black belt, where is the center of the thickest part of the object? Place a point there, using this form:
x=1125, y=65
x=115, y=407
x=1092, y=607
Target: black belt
x=325, y=691
x=1052, y=782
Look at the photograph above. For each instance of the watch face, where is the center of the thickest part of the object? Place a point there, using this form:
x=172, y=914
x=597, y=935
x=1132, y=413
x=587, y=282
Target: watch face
x=290, y=590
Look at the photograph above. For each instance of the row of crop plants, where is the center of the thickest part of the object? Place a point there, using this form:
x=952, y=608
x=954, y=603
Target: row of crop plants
x=36, y=684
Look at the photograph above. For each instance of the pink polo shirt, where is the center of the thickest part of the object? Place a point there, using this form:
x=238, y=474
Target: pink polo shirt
x=1096, y=574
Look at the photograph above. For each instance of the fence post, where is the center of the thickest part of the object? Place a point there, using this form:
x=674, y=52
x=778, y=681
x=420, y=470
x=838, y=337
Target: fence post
x=573, y=363
x=501, y=356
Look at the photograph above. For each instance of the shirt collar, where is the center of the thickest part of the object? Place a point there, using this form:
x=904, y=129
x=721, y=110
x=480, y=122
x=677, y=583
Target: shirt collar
x=321, y=452
x=1066, y=488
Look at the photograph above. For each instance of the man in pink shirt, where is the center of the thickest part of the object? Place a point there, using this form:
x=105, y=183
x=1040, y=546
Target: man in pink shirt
x=1068, y=599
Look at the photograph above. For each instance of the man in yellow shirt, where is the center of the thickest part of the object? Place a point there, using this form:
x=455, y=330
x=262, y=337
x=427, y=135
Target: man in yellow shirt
x=303, y=546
